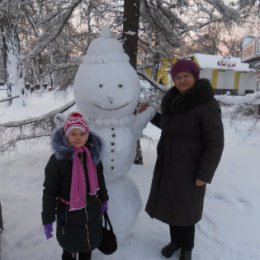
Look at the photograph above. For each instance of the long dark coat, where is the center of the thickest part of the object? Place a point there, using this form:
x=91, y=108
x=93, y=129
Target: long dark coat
x=190, y=148
x=77, y=231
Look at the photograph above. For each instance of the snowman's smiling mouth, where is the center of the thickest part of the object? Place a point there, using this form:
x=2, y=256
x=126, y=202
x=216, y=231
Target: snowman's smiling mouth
x=111, y=109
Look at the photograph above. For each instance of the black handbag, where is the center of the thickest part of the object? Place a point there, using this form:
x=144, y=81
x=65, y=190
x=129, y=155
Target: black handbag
x=109, y=244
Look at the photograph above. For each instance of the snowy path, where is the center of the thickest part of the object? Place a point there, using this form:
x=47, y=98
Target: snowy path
x=230, y=229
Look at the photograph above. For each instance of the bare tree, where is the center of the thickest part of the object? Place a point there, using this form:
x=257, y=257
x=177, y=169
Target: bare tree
x=55, y=34
x=11, y=57
x=166, y=25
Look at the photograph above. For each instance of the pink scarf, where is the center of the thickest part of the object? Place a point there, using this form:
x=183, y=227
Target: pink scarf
x=78, y=182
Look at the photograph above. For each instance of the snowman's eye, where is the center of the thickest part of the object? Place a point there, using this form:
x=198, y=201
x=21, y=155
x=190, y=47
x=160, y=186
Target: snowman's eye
x=100, y=85
x=120, y=85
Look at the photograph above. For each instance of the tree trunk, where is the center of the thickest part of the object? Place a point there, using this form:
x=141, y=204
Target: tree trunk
x=130, y=29
x=3, y=63
x=130, y=34
x=1, y=220
x=11, y=59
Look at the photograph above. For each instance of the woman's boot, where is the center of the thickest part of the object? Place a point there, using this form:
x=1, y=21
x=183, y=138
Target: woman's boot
x=185, y=255
x=168, y=250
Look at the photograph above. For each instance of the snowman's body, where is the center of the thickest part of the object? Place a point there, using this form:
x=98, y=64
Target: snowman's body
x=119, y=144
x=107, y=92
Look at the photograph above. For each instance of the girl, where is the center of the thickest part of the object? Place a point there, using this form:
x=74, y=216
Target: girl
x=74, y=189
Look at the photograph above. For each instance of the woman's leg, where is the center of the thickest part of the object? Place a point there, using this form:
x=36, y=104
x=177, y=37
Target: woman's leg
x=174, y=233
x=85, y=256
x=169, y=249
x=68, y=255
x=186, y=237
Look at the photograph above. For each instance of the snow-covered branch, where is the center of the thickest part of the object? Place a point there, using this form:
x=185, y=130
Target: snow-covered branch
x=11, y=144
x=32, y=128
x=8, y=99
x=153, y=83
x=57, y=26
x=32, y=120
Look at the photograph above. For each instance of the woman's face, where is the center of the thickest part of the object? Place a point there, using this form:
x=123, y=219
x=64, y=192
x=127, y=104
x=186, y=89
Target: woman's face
x=77, y=138
x=184, y=81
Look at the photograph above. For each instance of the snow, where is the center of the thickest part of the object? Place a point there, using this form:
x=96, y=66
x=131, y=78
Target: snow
x=230, y=226
x=105, y=49
x=37, y=104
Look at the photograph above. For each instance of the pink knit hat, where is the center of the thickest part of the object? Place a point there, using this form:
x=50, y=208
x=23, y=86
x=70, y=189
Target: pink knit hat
x=185, y=66
x=75, y=120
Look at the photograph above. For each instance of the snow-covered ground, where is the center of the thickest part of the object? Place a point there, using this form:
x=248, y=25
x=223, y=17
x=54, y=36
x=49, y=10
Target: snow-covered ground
x=229, y=230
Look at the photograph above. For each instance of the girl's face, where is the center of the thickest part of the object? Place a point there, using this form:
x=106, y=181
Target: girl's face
x=77, y=138
x=184, y=81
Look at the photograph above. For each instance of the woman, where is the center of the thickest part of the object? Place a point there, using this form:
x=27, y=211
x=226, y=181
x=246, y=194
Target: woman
x=188, y=153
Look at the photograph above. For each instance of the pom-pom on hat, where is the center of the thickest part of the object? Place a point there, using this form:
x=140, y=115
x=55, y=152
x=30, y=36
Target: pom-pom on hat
x=185, y=66
x=75, y=120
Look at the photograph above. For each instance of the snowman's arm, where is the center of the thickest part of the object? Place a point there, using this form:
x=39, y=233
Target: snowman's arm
x=142, y=119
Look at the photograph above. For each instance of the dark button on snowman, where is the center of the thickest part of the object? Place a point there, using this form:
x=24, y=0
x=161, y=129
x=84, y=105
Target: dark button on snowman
x=107, y=91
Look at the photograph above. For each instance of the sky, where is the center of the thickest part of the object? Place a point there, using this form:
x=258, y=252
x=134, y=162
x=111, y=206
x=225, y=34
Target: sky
x=229, y=229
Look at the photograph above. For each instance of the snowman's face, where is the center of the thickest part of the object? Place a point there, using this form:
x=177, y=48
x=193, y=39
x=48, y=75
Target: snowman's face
x=106, y=90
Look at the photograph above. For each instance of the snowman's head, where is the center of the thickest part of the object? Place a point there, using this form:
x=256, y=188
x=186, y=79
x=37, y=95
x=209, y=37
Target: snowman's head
x=106, y=85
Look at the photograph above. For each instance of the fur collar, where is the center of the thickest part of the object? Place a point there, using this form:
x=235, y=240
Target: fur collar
x=174, y=102
x=63, y=150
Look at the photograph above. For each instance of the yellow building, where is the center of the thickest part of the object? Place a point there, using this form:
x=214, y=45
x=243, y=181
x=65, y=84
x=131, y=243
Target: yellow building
x=227, y=74
x=161, y=72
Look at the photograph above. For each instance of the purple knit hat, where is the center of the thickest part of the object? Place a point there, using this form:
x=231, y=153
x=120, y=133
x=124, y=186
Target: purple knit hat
x=185, y=66
x=75, y=120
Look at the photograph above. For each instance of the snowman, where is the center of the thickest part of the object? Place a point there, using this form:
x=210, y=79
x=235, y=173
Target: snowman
x=107, y=91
